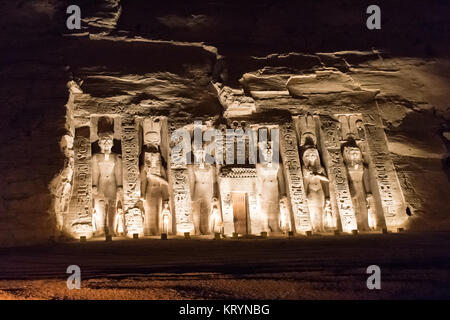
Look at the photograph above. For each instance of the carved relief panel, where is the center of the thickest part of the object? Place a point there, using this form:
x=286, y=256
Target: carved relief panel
x=341, y=200
x=294, y=178
x=385, y=184
x=79, y=215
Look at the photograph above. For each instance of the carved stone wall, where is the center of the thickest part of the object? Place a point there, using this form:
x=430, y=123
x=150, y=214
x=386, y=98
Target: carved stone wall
x=179, y=181
x=242, y=178
x=341, y=200
x=386, y=186
x=182, y=200
x=78, y=221
x=131, y=177
x=294, y=178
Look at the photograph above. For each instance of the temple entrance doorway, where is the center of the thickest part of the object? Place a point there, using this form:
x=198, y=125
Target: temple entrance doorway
x=240, y=212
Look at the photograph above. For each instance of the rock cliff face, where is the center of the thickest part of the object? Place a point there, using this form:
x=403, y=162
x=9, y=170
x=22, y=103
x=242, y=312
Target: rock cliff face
x=188, y=60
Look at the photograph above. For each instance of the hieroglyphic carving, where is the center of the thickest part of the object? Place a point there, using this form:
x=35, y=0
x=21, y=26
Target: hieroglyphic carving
x=339, y=188
x=180, y=143
x=387, y=184
x=131, y=181
x=182, y=201
x=294, y=177
x=79, y=220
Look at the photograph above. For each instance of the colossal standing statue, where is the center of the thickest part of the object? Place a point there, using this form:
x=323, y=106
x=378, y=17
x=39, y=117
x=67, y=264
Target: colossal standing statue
x=106, y=184
x=154, y=190
x=358, y=175
x=204, y=189
x=316, y=186
x=270, y=186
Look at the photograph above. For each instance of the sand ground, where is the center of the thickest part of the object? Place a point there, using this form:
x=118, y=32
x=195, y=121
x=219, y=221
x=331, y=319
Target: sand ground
x=413, y=266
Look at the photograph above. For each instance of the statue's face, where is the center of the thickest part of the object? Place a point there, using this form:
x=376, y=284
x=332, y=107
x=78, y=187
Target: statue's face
x=105, y=143
x=353, y=154
x=358, y=124
x=310, y=156
x=152, y=138
x=152, y=129
x=266, y=152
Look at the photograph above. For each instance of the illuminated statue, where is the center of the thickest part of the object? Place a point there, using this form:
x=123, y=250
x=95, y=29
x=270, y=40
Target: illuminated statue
x=270, y=185
x=285, y=222
x=215, y=220
x=316, y=186
x=106, y=184
x=165, y=218
x=154, y=190
x=204, y=189
x=119, y=228
x=329, y=221
x=358, y=175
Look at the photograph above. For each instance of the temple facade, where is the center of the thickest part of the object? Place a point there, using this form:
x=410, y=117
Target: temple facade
x=257, y=168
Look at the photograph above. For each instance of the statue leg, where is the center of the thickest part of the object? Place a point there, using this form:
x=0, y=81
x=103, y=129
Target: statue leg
x=196, y=215
x=274, y=210
x=365, y=219
x=100, y=209
x=212, y=224
x=111, y=215
x=204, y=217
x=362, y=218
x=146, y=219
x=153, y=217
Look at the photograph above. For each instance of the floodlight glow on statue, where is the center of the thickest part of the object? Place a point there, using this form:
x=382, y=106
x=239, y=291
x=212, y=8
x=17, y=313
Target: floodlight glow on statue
x=203, y=190
x=359, y=179
x=315, y=180
x=154, y=190
x=269, y=188
x=106, y=184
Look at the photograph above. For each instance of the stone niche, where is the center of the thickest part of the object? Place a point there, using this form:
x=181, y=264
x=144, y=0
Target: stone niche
x=131, y=173
x=118, y=182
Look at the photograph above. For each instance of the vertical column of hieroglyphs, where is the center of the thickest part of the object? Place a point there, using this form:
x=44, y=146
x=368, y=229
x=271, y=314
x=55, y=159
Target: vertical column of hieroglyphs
x=227, y=203
x=179, y=179
x=294, y=177
x=79, y=218
x=131, y=178
x=339, y=189
x=382, y=167
x=256, y=225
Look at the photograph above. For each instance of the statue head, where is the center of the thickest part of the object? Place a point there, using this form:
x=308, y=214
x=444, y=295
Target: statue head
x=105, y=142
x=311, y=157
x=308, y=138
x=352, y=155
x=359, y=124
x=152, y=131
x=152, y=138
x=266, y=151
